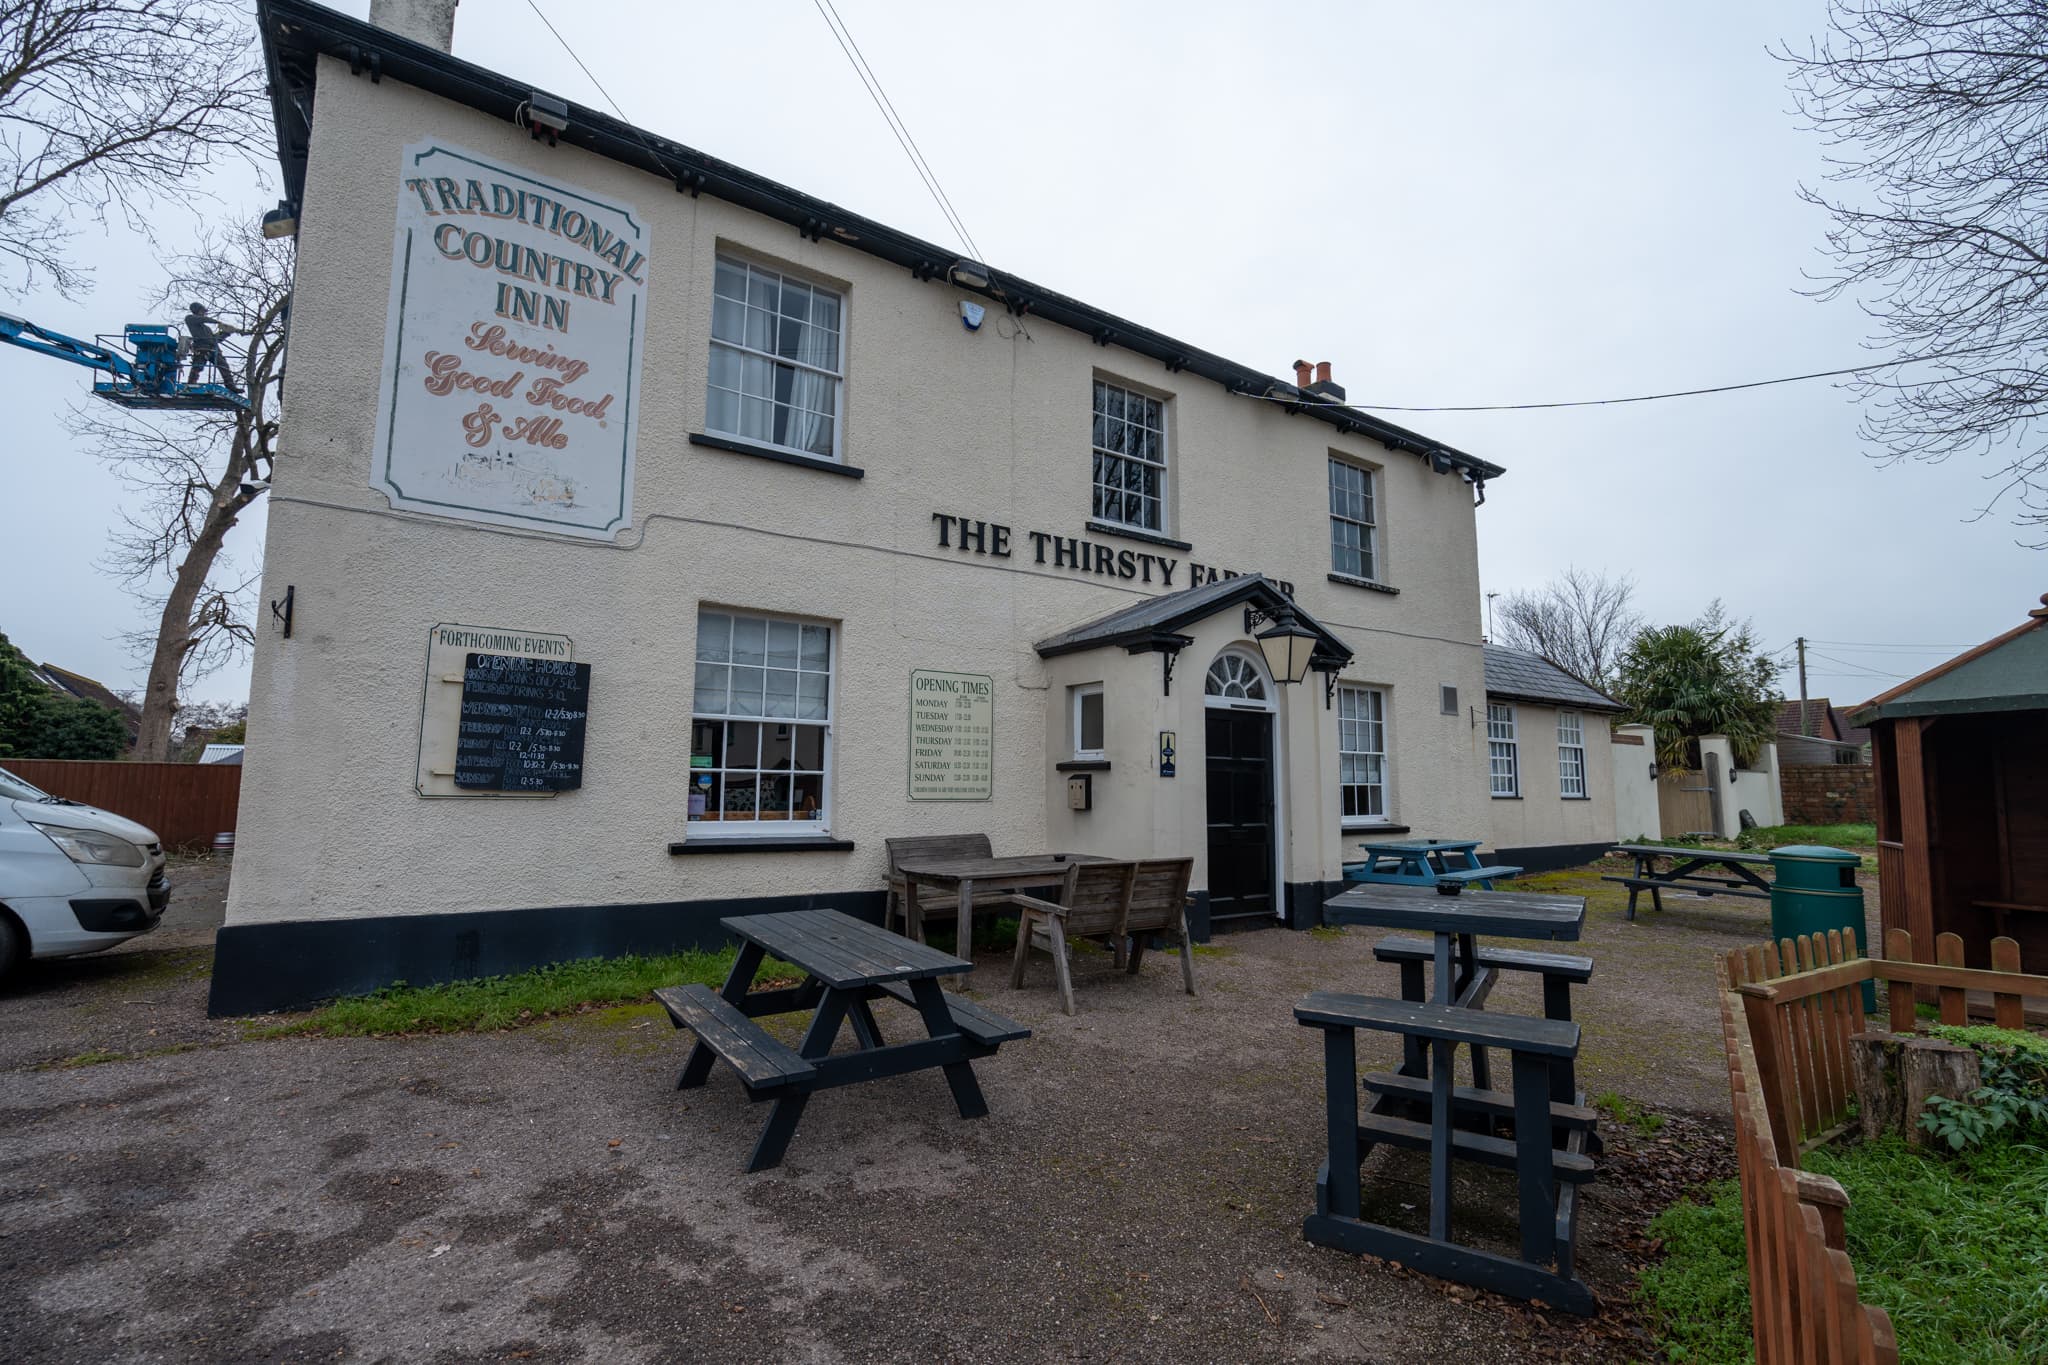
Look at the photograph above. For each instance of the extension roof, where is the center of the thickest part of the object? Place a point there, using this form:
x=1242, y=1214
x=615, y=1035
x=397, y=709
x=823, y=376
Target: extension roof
x=1513, y=675
x=296, y=33
x=1157, y=622
x=2006, y=673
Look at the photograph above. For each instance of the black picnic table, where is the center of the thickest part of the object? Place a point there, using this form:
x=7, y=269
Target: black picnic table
x=1541, y=1130
x=847, y=964
x=1702, y=871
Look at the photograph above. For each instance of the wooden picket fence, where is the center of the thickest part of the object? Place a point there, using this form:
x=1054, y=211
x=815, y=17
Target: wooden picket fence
x=1787, y=1012
x=187, y=804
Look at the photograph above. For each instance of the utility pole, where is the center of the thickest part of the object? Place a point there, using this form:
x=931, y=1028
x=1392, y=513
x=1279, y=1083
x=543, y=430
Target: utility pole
x=1489, y=615
x=1805, y=724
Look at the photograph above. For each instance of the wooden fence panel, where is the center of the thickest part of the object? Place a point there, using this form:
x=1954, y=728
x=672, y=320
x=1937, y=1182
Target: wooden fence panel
x=185, y=803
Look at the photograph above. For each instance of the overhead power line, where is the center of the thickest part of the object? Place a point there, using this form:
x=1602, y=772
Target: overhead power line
x=843, y=35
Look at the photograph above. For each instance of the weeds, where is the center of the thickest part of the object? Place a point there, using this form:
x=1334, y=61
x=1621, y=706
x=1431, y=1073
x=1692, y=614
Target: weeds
x=1766, y=837
x=1697, y=1297
x=1628, y=1113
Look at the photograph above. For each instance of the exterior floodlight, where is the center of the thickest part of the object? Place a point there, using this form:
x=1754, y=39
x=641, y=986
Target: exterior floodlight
x=546, y=116
x=1287, y=645
x=282, y=221
x=969, y=274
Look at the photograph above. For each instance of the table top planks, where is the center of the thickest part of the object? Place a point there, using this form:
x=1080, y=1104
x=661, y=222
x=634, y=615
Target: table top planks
x=1506, y=914
x=1420, y=846
x=841, y=951
x=1049, y=866
x=1710, y=855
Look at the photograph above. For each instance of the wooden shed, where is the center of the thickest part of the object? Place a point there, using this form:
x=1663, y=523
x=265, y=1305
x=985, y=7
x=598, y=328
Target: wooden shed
x=1961, y=758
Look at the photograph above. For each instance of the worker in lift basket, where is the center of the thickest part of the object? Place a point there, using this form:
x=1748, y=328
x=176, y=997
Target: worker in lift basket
x=206, y=341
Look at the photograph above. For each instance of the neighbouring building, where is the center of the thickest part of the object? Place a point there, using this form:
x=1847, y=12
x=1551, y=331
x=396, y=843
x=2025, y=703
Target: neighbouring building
x=1549, y=768
x=1815, y=731
x=650, y=540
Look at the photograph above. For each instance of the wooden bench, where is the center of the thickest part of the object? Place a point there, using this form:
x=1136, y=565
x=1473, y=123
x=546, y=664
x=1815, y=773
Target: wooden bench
x=1699, y=886
x=1125, y=903
x=765, y=1063
x=930, y=905
x=1482, y=877
x=984, y=1026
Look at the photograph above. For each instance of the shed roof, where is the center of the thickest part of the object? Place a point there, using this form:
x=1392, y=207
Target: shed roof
x=1156, y=622
x=2006, y=673
x=1517, y=675
x=296, y=33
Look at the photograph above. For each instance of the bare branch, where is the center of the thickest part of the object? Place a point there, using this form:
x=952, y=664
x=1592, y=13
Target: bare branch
x=1580, y=621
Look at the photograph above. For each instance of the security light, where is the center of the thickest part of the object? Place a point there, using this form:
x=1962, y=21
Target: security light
x=969, y=274
x=546, y=116
x=282, y=221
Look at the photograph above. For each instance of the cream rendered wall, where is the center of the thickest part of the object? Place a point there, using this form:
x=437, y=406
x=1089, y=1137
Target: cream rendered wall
x=991, y=426
x=1540, y=816
x=1636, y=815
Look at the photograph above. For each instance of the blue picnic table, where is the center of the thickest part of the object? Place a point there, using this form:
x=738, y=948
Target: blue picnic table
x=1425, y=862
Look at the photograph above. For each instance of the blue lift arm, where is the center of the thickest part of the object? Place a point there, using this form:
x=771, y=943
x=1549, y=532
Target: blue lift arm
x=146, y=376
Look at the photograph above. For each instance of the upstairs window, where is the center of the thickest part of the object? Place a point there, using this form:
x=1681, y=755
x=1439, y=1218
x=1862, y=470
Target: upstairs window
x=1362, y=753
x=1353, y=522
x=1503, y=753
x=1130, y=458
x=1571, y=755
x=775, y=360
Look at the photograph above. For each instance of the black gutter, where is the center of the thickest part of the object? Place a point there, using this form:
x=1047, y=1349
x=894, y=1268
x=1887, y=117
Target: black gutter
x=295, y=32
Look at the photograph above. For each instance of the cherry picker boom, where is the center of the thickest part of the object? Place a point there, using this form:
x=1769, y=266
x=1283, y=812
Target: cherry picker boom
x=142, y=371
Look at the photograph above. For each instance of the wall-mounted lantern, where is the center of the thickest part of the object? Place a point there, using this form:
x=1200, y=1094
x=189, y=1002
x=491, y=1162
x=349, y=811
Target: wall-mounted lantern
x=1287, y=644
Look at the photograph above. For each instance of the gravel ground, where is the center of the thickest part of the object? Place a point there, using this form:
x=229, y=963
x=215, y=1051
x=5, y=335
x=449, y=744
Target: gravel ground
x=1135, y=1194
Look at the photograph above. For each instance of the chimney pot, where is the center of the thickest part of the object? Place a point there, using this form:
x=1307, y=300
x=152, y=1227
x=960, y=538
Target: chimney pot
x=1301, y=374
x=1322, y=372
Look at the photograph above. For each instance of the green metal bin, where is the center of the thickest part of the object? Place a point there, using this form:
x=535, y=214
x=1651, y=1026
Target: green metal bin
x=1814, y=890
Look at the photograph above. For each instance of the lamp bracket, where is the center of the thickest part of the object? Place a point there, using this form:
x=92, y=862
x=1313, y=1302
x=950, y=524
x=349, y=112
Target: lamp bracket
x=1256, y=616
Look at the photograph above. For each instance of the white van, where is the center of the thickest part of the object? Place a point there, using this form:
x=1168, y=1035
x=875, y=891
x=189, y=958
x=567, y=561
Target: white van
x=73, y=879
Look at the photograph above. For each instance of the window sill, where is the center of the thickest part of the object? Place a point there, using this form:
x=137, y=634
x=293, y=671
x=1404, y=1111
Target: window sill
x=1498, y=797
x=1082, y=765
x=1368, y=584
x=738, y=447
x=1575, y=798
x=821, y=843
x=1110, y=528
x=1372, y=827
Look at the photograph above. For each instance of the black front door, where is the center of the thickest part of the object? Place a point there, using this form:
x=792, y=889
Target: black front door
x=1240, y=776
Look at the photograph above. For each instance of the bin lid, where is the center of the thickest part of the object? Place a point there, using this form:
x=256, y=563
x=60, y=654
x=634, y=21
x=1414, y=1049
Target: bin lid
x=1814, y=853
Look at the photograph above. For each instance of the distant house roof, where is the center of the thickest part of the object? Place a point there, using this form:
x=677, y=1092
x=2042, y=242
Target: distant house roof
x=1515, y=675
x=221, y=753
x=1827, y=722
x=2006, y=673
x=1156, y=622
x=88, y=689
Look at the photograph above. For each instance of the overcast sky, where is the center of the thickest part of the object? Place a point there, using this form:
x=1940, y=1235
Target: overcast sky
x=1453, y=204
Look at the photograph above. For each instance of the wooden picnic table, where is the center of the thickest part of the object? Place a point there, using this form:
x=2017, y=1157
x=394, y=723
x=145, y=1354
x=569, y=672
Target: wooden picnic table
x=847, y=963
x=1694, y=870
x=964, y=876
x=1424, y=862
x=1552, y=1129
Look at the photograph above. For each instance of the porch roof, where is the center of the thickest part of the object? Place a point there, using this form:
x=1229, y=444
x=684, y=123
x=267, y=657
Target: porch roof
x=1156, y=622
x=2007, y=673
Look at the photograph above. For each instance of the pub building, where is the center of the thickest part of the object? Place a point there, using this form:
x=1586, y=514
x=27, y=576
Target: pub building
x=649, y=541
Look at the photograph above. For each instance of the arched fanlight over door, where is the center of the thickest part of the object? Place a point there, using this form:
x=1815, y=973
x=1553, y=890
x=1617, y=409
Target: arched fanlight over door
x=1236, y=678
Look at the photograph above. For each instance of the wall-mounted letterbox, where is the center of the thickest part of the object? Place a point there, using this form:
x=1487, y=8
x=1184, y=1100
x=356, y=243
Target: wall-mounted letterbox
x=1080, y=792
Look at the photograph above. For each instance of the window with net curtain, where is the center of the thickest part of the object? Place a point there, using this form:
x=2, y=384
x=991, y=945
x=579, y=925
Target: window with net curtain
x=1130, y=458
x=776, y=366
x=1362, y=753
x=760, y=746
x=1503, y=751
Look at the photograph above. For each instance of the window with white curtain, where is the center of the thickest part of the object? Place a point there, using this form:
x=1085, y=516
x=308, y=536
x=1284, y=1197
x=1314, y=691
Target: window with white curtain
x=1354, y=522
x=1571, y=755
x=1503, y=754
x=1362, y=754
x=776, y=363
x=1130, y=458
x=760, y=738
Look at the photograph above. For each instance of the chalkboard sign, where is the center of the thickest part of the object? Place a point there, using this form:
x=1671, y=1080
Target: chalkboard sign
x=522, y=724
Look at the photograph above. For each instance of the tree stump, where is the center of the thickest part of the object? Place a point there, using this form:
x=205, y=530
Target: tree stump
x=1897, y=1073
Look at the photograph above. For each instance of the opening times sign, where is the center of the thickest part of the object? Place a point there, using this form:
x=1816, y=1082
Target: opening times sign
x=512, y=348
x=952, y=736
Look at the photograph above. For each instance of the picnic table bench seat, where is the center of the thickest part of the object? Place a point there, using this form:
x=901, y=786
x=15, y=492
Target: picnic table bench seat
x=1567, y=1166
x=764, y=1062
x=981, y=1024
x=1573, y=967
x=1483, y=875
x=1699, y=886
x=1496, y=1104
x=1550, y=1038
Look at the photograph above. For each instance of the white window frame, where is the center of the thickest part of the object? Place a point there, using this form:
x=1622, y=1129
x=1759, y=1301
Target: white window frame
x=758, y=828
x=1098, y=453
x=1082, y=755
x=1386, y=783
x=1503, y=751
x=1369, y=531
x=1571, y=754
x=837, y=376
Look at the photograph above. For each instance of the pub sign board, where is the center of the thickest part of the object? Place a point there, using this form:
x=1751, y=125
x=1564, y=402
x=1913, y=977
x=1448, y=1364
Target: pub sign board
x=512, y=347
x=522, y=724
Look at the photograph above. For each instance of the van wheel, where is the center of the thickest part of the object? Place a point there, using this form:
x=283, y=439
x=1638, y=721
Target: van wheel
x=12, y=942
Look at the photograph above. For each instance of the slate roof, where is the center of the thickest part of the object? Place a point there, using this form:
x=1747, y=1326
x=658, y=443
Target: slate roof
x=2006, y=673
x=1514, y=675
x=1157, y=621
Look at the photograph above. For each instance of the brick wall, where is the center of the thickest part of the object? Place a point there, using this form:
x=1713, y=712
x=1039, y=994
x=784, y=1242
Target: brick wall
x=1829, y=793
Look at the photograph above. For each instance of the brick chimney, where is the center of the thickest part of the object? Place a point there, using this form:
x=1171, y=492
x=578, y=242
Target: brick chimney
x=430, y=22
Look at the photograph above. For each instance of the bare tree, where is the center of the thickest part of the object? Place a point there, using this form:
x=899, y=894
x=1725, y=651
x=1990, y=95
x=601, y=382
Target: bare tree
x=196, y=473
x=1580, y=621
x=113, y=104
x=1935, y=114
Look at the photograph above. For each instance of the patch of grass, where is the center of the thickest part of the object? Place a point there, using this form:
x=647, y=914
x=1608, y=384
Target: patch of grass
x=1831, y=836
x=499, y=1002
x=1697, y=1297
x=1628, y=1113
x=1327, y=932
x=99, y=1056
x=1986, y=1036
x=1951, y=1247
x=1209, y=950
